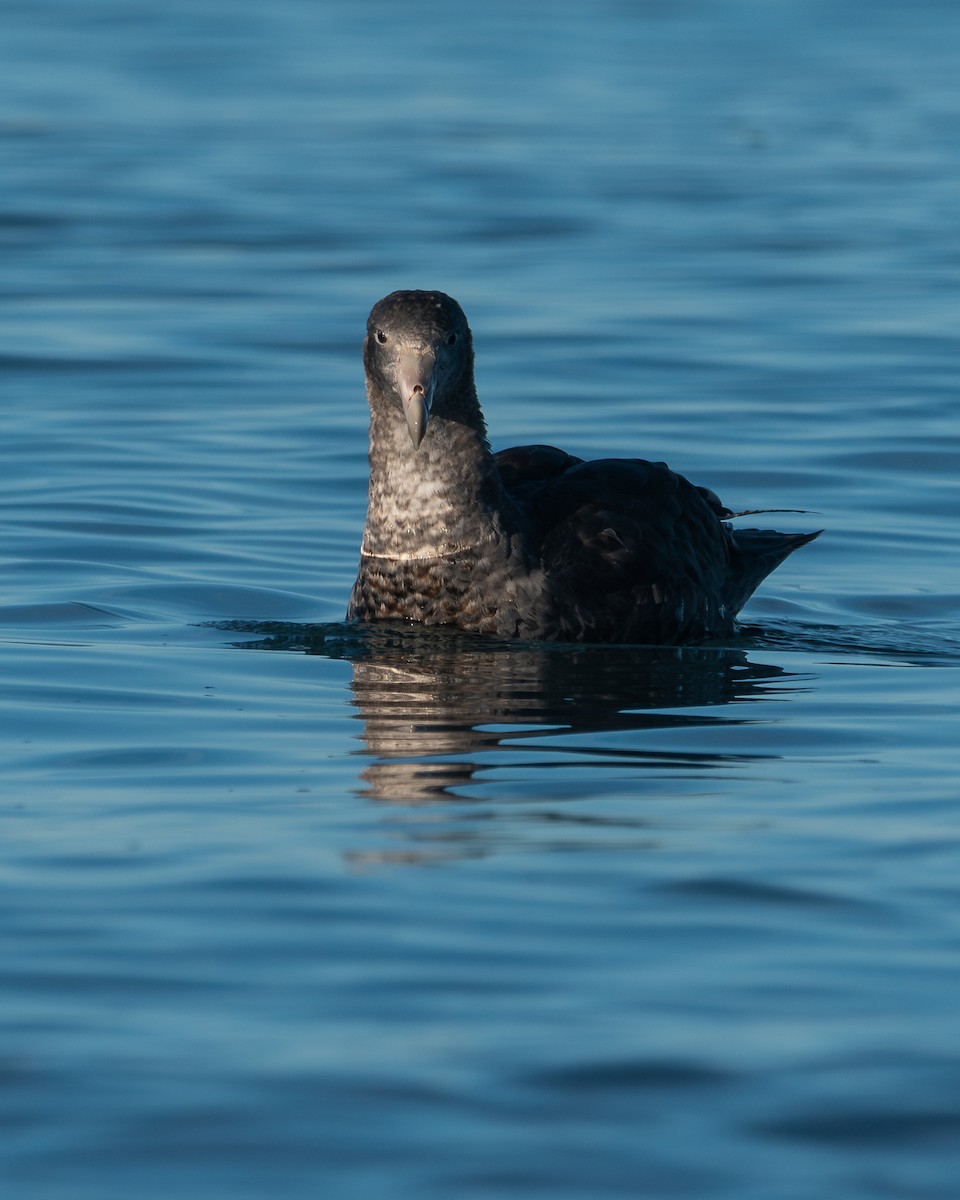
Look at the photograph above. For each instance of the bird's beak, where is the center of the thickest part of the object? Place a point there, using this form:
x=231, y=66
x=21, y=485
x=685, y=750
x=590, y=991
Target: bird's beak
x=415, y=376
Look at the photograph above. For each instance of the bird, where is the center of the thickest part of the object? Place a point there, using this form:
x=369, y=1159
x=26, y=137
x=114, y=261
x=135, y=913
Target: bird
x=531, y=542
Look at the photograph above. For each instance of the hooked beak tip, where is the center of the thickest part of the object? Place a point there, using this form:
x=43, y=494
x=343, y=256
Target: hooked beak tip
x=417, y=411
x=415, y=378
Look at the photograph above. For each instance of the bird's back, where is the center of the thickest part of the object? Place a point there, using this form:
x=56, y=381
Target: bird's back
x=632, y=551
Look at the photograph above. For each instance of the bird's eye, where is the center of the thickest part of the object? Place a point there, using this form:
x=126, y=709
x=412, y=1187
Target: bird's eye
x=381, y=337
x=451, y=339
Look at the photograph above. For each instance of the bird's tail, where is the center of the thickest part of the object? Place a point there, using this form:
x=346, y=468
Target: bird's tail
x=757, y=553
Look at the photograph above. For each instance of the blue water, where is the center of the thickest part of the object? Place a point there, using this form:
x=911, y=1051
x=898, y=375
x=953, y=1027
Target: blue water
x=291, y=908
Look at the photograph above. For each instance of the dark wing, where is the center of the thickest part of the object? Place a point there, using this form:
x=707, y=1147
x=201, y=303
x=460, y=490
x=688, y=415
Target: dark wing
x=532, y=464
x=616, y=523
x=633, y=549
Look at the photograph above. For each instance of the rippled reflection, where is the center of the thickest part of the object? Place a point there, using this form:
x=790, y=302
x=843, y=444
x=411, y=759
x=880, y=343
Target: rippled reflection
x=440, y=707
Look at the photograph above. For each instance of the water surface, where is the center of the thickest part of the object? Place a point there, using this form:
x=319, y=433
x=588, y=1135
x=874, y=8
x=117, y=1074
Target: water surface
x=292, y=907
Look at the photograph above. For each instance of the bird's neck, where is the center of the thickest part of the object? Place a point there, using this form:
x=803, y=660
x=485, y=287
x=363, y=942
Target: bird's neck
x=435, y=501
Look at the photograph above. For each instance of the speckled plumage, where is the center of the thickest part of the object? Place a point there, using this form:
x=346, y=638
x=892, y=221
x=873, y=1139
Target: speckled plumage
x=530, y=542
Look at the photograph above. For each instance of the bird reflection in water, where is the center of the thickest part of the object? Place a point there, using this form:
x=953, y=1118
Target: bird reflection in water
x=444, y=713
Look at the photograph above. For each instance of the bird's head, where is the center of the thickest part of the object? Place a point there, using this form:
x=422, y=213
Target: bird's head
x=418, y=355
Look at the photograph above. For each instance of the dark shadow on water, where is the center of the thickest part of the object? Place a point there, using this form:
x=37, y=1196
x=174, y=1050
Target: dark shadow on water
x=439, y=707
x=916, y=644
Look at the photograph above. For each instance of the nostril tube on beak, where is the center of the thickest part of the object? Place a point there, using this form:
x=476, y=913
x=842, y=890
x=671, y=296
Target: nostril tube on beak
x=416, y=382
